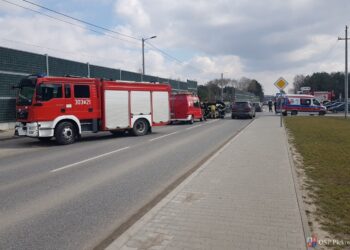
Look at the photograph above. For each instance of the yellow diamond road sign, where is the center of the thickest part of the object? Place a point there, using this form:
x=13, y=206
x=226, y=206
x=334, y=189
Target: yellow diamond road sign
x=281, y=83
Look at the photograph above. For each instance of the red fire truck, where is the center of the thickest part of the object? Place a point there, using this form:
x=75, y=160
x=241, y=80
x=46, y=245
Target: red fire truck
x=185, y=107
x=65, y=107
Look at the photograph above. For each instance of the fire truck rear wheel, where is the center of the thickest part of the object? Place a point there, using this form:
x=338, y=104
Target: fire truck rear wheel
x=141, y=127
x=65, y=133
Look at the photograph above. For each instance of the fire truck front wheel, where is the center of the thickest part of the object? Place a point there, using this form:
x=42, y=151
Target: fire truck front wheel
x=141, y=127
x=65, y=133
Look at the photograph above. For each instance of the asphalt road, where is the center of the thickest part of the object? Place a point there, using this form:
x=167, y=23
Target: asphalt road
x=74, y=196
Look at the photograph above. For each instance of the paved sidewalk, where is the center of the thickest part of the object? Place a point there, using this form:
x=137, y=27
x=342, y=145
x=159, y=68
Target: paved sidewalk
x=242, y=198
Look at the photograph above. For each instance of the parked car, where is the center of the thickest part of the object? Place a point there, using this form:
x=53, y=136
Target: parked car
x=326, y=102
x=333, y=104
x=243, y=109
x=257, y=106
x=338, y=108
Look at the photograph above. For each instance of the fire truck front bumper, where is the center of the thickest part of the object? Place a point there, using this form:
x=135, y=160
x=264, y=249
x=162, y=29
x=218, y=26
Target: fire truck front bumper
x=34, y=129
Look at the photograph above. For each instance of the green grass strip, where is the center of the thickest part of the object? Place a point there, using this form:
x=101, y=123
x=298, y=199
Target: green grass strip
x=324, y=143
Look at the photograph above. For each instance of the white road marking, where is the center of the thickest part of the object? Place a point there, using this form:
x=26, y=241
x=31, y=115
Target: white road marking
x=90, y=159
x=194, y=127
x=160, y=137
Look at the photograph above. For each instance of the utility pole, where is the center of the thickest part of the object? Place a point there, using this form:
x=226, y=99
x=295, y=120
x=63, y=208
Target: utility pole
x=346, y=71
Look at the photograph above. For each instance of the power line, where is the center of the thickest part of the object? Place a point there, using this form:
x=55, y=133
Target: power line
x=134, y=39
x=165, y=53
x=82, y=21
x=81, y=54
x=34, y=45
x=173, y=58
x=103, y=28
x=67, y=22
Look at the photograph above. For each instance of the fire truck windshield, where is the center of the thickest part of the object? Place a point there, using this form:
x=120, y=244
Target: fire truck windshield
x=26, y=92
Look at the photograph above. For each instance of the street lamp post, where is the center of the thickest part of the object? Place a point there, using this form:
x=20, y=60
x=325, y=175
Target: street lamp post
x=222, y=84
x=143, y=53
x=233, y=96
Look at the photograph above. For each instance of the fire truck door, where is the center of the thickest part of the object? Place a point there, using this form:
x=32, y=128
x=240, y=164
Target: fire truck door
x=80, y=103
x=50, y=95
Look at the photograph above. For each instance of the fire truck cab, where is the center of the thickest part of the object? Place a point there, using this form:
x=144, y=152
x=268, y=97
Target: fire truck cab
x=65, y=107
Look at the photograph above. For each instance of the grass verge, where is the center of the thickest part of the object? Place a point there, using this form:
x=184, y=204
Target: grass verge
x=324, y=143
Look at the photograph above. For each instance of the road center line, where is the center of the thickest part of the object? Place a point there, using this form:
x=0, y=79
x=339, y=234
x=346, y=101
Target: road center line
x=194, y=127
x=89, y=159
x=160, y=137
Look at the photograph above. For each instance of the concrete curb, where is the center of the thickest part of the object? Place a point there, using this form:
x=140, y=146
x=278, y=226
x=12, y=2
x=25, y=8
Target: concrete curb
x=121, y=240
x=304, y=220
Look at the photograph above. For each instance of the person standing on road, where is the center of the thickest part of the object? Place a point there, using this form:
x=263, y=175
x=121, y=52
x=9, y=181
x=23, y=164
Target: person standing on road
x=213, y=111
x=270, y=105
x=275, y=106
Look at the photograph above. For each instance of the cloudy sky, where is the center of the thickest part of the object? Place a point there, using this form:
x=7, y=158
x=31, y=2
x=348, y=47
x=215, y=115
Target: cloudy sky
x=195, y=39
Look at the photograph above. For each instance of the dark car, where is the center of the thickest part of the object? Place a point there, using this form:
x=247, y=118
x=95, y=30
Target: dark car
x=333, y=104
x=243, y=109
x=338, y=108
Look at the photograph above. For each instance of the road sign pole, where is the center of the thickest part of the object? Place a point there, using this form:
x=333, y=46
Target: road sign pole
x=281, y=124
x=281, y=83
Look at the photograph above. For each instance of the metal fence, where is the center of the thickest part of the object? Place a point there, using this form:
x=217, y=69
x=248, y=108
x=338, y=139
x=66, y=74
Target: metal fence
x=15, y=64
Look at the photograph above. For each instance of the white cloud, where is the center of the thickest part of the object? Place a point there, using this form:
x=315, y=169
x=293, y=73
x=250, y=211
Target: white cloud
x=257, y=39
x=317, y=44
x=133, y=12
x=212, y=67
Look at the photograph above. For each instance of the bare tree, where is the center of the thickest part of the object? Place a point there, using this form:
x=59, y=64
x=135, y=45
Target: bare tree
x=243, y=83
x=298, y=81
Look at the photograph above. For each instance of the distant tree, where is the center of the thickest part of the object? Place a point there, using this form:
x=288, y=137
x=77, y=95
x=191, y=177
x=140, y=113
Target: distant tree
x=214, y=92
x=203, y=93
x=255, y=87
x=243, y=83
x=321, y=81
x=298, y=81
